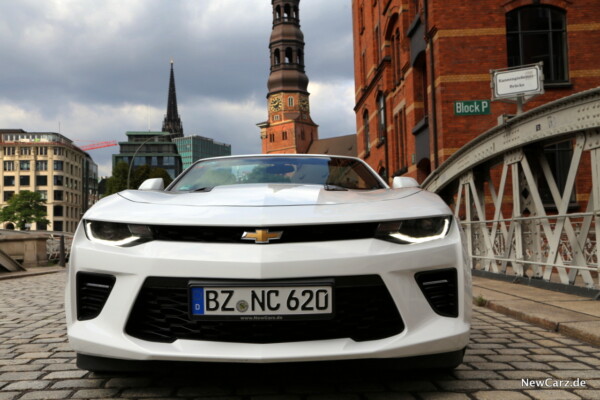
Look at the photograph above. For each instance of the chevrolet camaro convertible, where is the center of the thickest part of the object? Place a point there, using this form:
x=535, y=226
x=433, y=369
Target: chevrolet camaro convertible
x=268, y=259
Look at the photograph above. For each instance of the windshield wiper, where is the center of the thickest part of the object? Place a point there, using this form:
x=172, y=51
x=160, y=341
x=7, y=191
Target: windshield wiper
x=204, y=189
x=335, y=188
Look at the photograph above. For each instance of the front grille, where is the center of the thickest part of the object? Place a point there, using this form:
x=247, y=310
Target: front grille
x=440, y=289
x=92, y=293
x=291, y=234
x=364, y=310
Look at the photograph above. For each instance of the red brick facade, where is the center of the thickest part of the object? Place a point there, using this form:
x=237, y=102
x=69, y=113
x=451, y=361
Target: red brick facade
x=413, y=59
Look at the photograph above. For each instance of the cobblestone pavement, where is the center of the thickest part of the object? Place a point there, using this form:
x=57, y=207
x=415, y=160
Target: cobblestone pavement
x=504, y=357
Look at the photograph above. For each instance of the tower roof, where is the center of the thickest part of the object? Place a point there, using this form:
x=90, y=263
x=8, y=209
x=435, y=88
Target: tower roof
x=172, y=122
x=287, y=49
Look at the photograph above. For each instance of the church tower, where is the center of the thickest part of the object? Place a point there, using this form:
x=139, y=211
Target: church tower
x=289, y=128
x=172, y=122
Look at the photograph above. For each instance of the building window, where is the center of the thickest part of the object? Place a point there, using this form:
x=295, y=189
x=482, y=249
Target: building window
x=58, y=180
x=276, y=57
x=58, y=195
x=24, y=180
x=41, y=165
x=277, y=13
x=59, y=151
x=43, y=194
x=25, y=151
x=58, y=211
x=381, y=125
x=538, y=33
x=57, y=226
x=559, y=157
x=9, y=165
x=8, y=194
x=275, y=117
x=377, y=46
x=272, y=137
x=58, y=165
x=366, y=137
x=290, y=101
x=9, y=151
x=284, y=135
x=41, y=180
x=42, y=151
x=24, y=165
x=288, y=55
x=9, y=181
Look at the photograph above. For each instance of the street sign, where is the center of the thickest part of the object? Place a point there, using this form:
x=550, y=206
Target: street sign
x=472, y=107
x=516, y=83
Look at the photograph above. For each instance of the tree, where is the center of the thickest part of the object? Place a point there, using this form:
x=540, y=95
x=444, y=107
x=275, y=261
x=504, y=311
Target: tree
x=24, y=208
x=118, y=181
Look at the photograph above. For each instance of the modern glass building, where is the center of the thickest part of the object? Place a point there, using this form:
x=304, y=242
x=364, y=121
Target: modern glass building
x=155, y=149
x=193, y=148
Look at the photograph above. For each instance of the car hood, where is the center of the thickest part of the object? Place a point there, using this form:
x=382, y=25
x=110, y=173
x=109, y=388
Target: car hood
x=257, y=195
x=266, y=205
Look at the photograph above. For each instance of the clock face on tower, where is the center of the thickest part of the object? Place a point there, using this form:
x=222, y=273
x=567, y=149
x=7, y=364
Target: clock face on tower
x=303, y=103
x=275, y=103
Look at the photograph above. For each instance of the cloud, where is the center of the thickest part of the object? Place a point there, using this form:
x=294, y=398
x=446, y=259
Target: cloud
x=101, y=68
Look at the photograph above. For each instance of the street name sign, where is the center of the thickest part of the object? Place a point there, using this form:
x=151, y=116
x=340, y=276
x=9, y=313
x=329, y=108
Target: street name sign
x=521, y=82
x=472, y=107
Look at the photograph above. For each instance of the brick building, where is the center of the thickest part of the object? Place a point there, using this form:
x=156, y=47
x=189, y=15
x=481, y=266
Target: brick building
x=414, y=59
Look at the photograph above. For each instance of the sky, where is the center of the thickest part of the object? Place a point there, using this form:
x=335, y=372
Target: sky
x=92, y=70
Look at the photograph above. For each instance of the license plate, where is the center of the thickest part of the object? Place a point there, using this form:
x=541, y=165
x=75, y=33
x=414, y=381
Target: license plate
x=257, y=303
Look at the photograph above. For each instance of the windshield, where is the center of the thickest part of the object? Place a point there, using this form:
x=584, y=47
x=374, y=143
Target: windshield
x=344, y=173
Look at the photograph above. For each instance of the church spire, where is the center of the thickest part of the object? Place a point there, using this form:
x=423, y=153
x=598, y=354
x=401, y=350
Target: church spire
x=289, y=128
x=172, y=122
x=287, y=49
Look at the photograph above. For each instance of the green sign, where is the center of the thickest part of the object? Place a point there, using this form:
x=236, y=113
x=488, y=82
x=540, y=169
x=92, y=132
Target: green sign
x=472, y=107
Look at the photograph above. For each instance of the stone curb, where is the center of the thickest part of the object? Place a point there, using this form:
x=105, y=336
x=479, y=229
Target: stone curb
x=568, y=322
x=31, y=272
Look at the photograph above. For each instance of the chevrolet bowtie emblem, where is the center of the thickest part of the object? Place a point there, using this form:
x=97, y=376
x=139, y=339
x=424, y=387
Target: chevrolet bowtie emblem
x=261, y=236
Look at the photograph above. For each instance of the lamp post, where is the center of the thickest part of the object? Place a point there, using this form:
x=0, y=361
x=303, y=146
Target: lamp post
x=136, y=151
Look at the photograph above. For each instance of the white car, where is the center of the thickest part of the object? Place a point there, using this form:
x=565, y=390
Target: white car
x=267, y=259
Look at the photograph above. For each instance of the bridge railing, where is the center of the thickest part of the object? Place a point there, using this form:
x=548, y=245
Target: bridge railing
x=519, y=219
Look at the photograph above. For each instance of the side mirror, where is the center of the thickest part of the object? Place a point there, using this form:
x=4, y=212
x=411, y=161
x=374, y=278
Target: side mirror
x=404, y=182
x=152, y=184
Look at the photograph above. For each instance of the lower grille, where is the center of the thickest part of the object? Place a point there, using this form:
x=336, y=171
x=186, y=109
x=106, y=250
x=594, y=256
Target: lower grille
x=440, y=289
x=92, y=293
x=364, y=310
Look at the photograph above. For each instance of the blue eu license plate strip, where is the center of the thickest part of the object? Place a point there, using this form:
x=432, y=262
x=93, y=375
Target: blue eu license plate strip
x=198, y=301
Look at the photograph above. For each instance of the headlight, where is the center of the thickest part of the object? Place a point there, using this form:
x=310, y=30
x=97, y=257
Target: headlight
x=410, y=231
x=116, y=234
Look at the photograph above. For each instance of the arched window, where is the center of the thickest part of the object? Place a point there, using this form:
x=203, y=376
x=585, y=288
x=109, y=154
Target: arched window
x=276, y=57
x=366, y=137
x=288, y=55
x=295, y=12
x=277, y=13
x=381, y=125
x=290, y=101
x=300, y=57
x=286, y=12
x=538, y=33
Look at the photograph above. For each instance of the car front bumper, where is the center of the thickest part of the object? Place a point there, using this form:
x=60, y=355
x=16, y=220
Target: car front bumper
x=425, y=332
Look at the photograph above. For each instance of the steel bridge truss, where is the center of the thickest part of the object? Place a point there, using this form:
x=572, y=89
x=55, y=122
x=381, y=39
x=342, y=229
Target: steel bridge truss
x=519, y=219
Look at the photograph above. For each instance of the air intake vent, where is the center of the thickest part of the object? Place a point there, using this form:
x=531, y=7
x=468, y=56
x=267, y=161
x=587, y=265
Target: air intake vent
x=92, y=293
x=439, y=288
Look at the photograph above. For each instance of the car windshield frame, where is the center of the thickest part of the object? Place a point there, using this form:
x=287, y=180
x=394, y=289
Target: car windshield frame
x=331, y=172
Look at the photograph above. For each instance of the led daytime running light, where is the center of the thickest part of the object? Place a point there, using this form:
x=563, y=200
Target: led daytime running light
x=414, y=231
x=117, y=234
